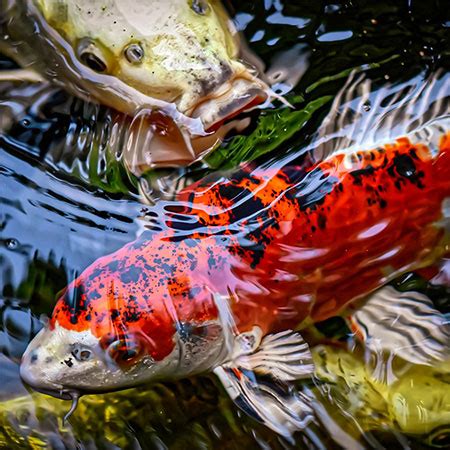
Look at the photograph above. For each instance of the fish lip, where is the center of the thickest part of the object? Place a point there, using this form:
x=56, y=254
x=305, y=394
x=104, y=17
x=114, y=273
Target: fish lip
x=67, y=392
x=44, y=388
x=248, y=96
x=62, y=394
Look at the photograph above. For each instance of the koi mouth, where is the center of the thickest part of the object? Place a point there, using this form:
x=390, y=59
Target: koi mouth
x=240, y=95
x=156, y=140
x=71, y=394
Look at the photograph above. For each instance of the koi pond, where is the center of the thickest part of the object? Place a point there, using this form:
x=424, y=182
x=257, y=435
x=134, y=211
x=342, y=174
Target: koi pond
x=285, y=279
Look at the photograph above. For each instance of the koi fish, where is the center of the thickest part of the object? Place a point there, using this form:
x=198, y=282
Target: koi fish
x=175, y=64
x=227, y=276
x=422, y=411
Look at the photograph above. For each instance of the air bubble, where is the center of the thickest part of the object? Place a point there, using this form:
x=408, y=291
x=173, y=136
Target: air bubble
x=11, y=244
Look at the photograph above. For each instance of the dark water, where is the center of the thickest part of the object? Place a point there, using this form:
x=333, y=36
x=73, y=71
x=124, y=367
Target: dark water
x=66, y=201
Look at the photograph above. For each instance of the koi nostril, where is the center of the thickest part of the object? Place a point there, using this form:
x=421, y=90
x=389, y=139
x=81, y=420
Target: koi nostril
x=34, y=357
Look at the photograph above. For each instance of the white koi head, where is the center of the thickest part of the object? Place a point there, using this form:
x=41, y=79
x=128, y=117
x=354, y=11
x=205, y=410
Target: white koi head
x=60, y=361
x=67, y=364
x=141, y=54
x=104, y=336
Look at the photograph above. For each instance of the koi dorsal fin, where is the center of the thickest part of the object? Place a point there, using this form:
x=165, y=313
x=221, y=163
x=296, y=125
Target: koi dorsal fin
x=362, y=117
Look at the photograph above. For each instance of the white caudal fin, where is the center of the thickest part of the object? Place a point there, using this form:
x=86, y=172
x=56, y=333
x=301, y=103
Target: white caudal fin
x=257, y=377
x=363, y=117
x=403, y=324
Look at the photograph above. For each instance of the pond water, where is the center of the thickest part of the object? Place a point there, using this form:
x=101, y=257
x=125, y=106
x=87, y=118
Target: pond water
x=66, y=201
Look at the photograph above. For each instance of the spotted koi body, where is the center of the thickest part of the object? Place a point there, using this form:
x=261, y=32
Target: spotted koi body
x=286, y=245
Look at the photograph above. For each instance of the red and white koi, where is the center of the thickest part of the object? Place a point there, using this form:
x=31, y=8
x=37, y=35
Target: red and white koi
x=240, y=261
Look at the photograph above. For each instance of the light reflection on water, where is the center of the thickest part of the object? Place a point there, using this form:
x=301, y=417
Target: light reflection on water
x=57, y=218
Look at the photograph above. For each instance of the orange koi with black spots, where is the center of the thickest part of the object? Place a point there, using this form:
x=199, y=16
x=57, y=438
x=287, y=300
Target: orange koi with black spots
x=283, y=245
x=290, y=245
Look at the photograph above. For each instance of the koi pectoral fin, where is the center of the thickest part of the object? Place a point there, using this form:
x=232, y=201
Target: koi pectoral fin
x=284, y=356
x=404, y=324
x=258, y=379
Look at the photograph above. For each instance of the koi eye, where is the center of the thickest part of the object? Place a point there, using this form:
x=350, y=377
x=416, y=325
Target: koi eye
x=91, y=56
x=81, y=354
x=134, y=53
